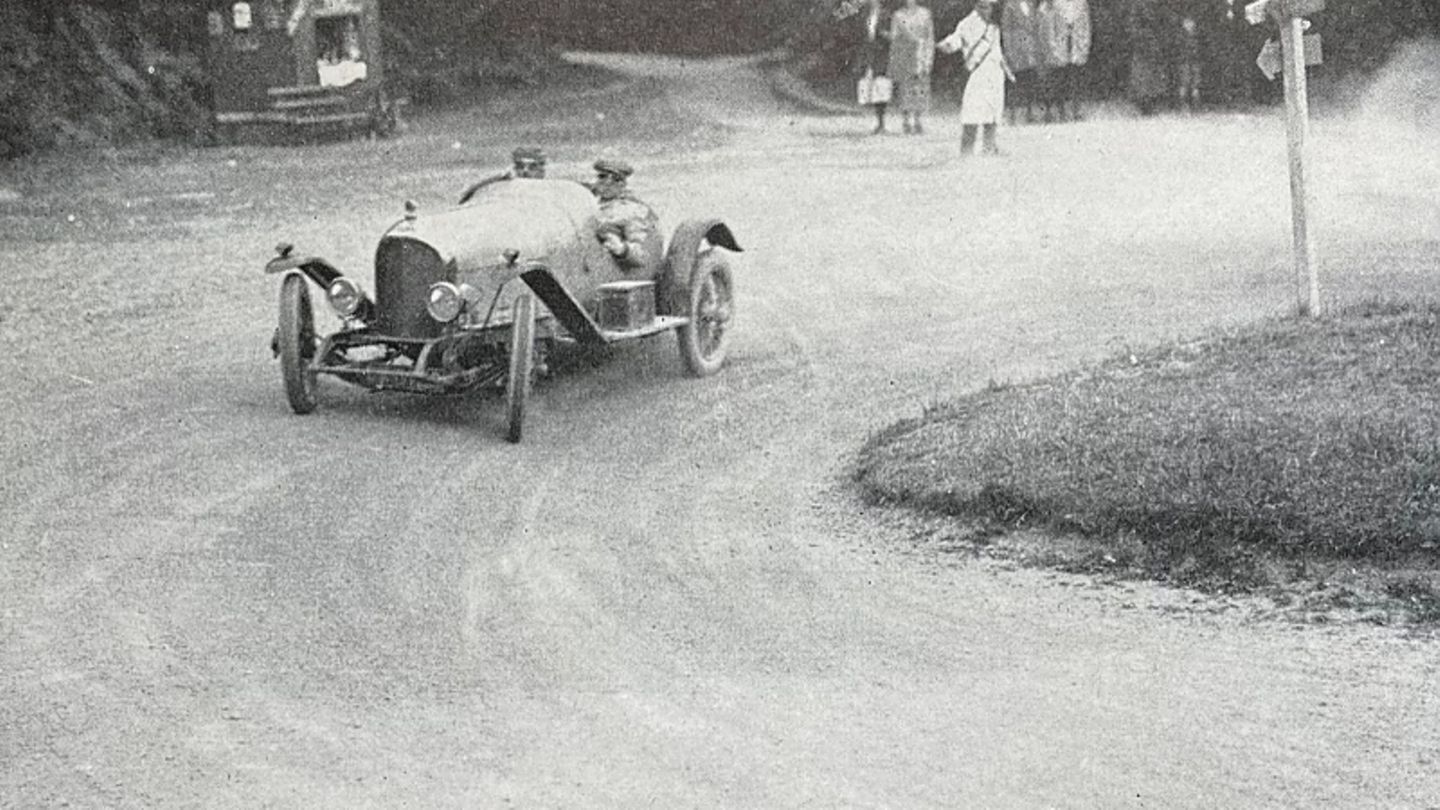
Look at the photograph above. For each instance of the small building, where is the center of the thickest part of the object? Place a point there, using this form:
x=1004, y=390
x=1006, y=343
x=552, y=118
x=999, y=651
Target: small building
x=297, y=68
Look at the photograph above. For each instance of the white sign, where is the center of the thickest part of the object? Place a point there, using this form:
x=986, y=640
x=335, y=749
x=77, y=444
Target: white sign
x=1269, y=59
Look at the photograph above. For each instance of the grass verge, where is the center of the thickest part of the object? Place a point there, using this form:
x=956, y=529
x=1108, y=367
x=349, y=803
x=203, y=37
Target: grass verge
x=1280, y=456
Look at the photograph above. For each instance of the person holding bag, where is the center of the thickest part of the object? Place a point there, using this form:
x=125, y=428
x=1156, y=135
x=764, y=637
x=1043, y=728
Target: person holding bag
x=872, y=89
x=912, y=53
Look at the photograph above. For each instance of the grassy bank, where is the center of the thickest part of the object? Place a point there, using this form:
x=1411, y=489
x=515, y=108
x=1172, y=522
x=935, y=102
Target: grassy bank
x=1242, y=460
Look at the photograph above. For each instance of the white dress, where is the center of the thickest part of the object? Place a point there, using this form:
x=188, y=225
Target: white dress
x=979, y=43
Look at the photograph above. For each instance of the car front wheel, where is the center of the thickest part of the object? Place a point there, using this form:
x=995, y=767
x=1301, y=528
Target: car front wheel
x=296, y=342
x=522, y=366
x=712, y=304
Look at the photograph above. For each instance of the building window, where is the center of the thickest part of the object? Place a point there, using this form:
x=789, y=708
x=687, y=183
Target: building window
x=339, y=57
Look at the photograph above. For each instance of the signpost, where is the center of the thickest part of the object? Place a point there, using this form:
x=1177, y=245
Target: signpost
x=1289, y=14
x=1269, y=59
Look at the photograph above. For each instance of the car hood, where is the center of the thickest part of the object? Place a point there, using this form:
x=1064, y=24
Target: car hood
x=536, y=219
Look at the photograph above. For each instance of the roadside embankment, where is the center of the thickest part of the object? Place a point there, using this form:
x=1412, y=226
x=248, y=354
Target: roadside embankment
x=1290, y=455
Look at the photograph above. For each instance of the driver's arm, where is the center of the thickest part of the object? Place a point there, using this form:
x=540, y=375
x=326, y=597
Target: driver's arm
x=626, y=240
x=621, y=246
x=625, y=235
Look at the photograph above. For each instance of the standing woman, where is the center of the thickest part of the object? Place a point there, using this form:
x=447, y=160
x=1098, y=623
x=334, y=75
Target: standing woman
x=977, y=40
x=912, y=52
x=871, y=60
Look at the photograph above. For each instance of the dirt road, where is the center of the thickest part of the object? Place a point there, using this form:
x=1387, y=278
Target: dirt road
x=664, y=596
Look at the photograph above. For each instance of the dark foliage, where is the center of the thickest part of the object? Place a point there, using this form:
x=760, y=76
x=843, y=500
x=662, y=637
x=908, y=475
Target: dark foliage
x=102, y=71
x=89, y=73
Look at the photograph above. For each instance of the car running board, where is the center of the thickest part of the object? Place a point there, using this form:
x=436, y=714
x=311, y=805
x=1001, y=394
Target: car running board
x=662, y=323
x=578, y=322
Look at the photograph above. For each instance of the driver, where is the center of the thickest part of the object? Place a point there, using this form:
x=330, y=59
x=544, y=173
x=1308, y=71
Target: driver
x=527, y=162
x=625, y=224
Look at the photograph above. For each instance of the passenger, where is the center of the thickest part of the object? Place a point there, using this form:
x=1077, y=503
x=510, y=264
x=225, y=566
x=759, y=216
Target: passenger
x=527, y=162
x=626, y=225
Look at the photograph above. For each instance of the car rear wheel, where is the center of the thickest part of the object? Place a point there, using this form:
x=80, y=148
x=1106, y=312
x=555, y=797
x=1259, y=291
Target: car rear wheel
x=522, y=366
x=296, y=343
x=712, y=304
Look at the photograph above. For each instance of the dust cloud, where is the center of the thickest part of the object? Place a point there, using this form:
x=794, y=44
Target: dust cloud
x=1376, y=154
x=1407, y=89
x=1402, y=95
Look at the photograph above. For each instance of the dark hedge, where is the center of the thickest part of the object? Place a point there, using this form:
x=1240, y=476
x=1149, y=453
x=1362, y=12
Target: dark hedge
x=105, y=71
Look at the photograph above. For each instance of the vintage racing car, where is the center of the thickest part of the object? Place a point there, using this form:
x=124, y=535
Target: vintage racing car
x=476, y=295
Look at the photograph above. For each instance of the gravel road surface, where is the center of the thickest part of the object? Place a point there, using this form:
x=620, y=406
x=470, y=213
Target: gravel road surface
x=665, y=597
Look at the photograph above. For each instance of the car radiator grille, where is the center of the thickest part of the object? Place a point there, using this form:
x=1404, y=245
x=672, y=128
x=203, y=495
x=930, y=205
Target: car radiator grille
x=404, y=271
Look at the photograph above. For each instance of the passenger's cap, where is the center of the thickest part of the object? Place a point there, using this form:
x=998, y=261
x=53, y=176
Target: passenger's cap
x=616, y=168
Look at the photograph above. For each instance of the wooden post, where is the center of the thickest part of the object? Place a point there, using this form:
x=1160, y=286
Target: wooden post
x=1297, y=125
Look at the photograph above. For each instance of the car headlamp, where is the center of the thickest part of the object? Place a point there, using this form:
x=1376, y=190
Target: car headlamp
x=345, y=296
x=444, y=302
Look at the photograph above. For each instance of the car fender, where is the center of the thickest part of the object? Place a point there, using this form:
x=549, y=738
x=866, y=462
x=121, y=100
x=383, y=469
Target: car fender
x=563, y=305
x=315, y=268
x=319, y=271
x=672, y=287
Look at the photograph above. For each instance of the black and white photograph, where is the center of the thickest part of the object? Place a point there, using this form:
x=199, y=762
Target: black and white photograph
x=720, y=404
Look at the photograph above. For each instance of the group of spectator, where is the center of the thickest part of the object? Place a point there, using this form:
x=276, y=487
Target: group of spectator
x=1039, y=45
x=1187, y=52
x=899, y=47
x=903, y=51
x=1180, y=53
x=1047, y=44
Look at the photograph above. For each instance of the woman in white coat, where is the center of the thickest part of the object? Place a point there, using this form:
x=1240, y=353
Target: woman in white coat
x=977, y=40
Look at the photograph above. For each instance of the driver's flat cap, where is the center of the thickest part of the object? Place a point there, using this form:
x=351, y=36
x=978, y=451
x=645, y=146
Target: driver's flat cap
x=534, y=153
x=616, y=168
